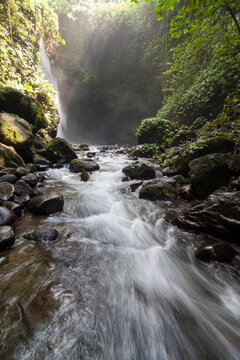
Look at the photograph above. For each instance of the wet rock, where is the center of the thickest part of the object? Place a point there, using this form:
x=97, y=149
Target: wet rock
x=186, y=192
x=125, y=178
x=20, y=171
x=157, y=191
x=7, y=217
x=31, y=168
x=42, y=167
x=22, y=188
x=210, y=172
x=33, y=179
x=84, y=147
x=216, y=252
x=6, y=191
x=91, y=154
x=9, y=178
x=218, y=215
x=7, y=238
x=46, y=204
x=85, y=176
x=135, y=186
x=59, y=148
x=42, y=235
x=181, y=180
x=2, y=260
x=41, y=160
x=139, y=171
x=22, y=200
x=80, y=165
x=169, y=171
x=218, y=144
x=16, y=208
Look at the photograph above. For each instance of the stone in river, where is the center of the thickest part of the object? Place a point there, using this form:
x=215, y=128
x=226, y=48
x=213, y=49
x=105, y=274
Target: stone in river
x=7, y=237
x=46, y=204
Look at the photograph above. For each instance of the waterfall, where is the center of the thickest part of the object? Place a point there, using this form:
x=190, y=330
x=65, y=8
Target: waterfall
x=51, y=78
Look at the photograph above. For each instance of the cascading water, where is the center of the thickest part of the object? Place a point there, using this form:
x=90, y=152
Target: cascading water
x=119, y=283
x=47, y=69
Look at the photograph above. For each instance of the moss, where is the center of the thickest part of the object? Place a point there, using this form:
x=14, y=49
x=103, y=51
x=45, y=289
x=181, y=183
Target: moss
x=9, y=157
x=157, y=191
x=59, y=148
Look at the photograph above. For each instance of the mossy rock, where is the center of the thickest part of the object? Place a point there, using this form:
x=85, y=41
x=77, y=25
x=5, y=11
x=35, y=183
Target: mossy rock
x=210, y=172
x=16, y=132
x=15, y=102
x=198, y=123
x=182, y=137
x=60, y=149
x=145, y=150
x=139, y=171
x=9, y=157
x=79, y=165
x=218, y=144
x=158, y=191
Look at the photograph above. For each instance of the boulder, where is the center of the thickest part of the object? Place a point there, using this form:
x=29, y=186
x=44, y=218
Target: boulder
x=58, y=149
x=22, y=200
x=22, y=188
x=46, y=204
x=10, y=178
x=7, y=237
x=210, y=172
x=16, y=208
x=85, y=176
x=15, y=102
x=182, y=137
x=9, y=157
x=31, y=168
x=41, y=160
x=144, y=151
x=135, y=186
x=198, y=123
x=6, y=191
x=42, y=235
x=79, y=165
x=84, y=147
x=218, y=144
x=91, y=154
x=20, y=171
x=139, y=171
x=7, y=217
x=34, y=178
x=157, y=191
x=218, y=215
x=220, y=252
x=186, y=192
x=16, y=132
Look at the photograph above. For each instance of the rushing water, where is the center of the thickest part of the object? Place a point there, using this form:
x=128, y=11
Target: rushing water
x=118, y=284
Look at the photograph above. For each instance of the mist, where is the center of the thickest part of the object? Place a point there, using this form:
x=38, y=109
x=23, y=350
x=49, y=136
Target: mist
x=108, y=72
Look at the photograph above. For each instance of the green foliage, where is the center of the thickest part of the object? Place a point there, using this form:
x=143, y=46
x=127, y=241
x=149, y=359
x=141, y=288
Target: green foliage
x=22, y=25
x=157, y=131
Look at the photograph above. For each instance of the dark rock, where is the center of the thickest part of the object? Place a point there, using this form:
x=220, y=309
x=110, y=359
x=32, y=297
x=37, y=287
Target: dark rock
x=33, y=179
x=182, y=136
x=6, y=191
x=210, y=172
x=186, y=192
x=216, y=252
x=139, y=172
x=84, y=147
x=20, y=171
x=135, y=186
x=157, y=191
x=91, y=154
x=22, y=188
x=42, y=167
x=42, y=235
x=59, y=148
x=198, y=123
x=41, y=160
x=80, y=165
x=16, y=208
x=7, y=217
x=7, y=238
x=9, y=157
x=181, y=180
x=31, y=168
x=85, y=176
x=169, y=171
x=22, y=200
x=218, y=144
x=9, y=178
x=125, y=178
x=46, y=204
x=218, y=215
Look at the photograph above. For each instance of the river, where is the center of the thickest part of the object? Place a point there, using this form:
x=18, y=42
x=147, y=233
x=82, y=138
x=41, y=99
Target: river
x=119, y=283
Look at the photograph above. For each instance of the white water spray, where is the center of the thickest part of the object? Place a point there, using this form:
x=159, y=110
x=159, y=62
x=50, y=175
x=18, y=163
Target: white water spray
x=49, y=75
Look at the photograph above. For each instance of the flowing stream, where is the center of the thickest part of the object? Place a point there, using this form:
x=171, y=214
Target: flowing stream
x=119, y=283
